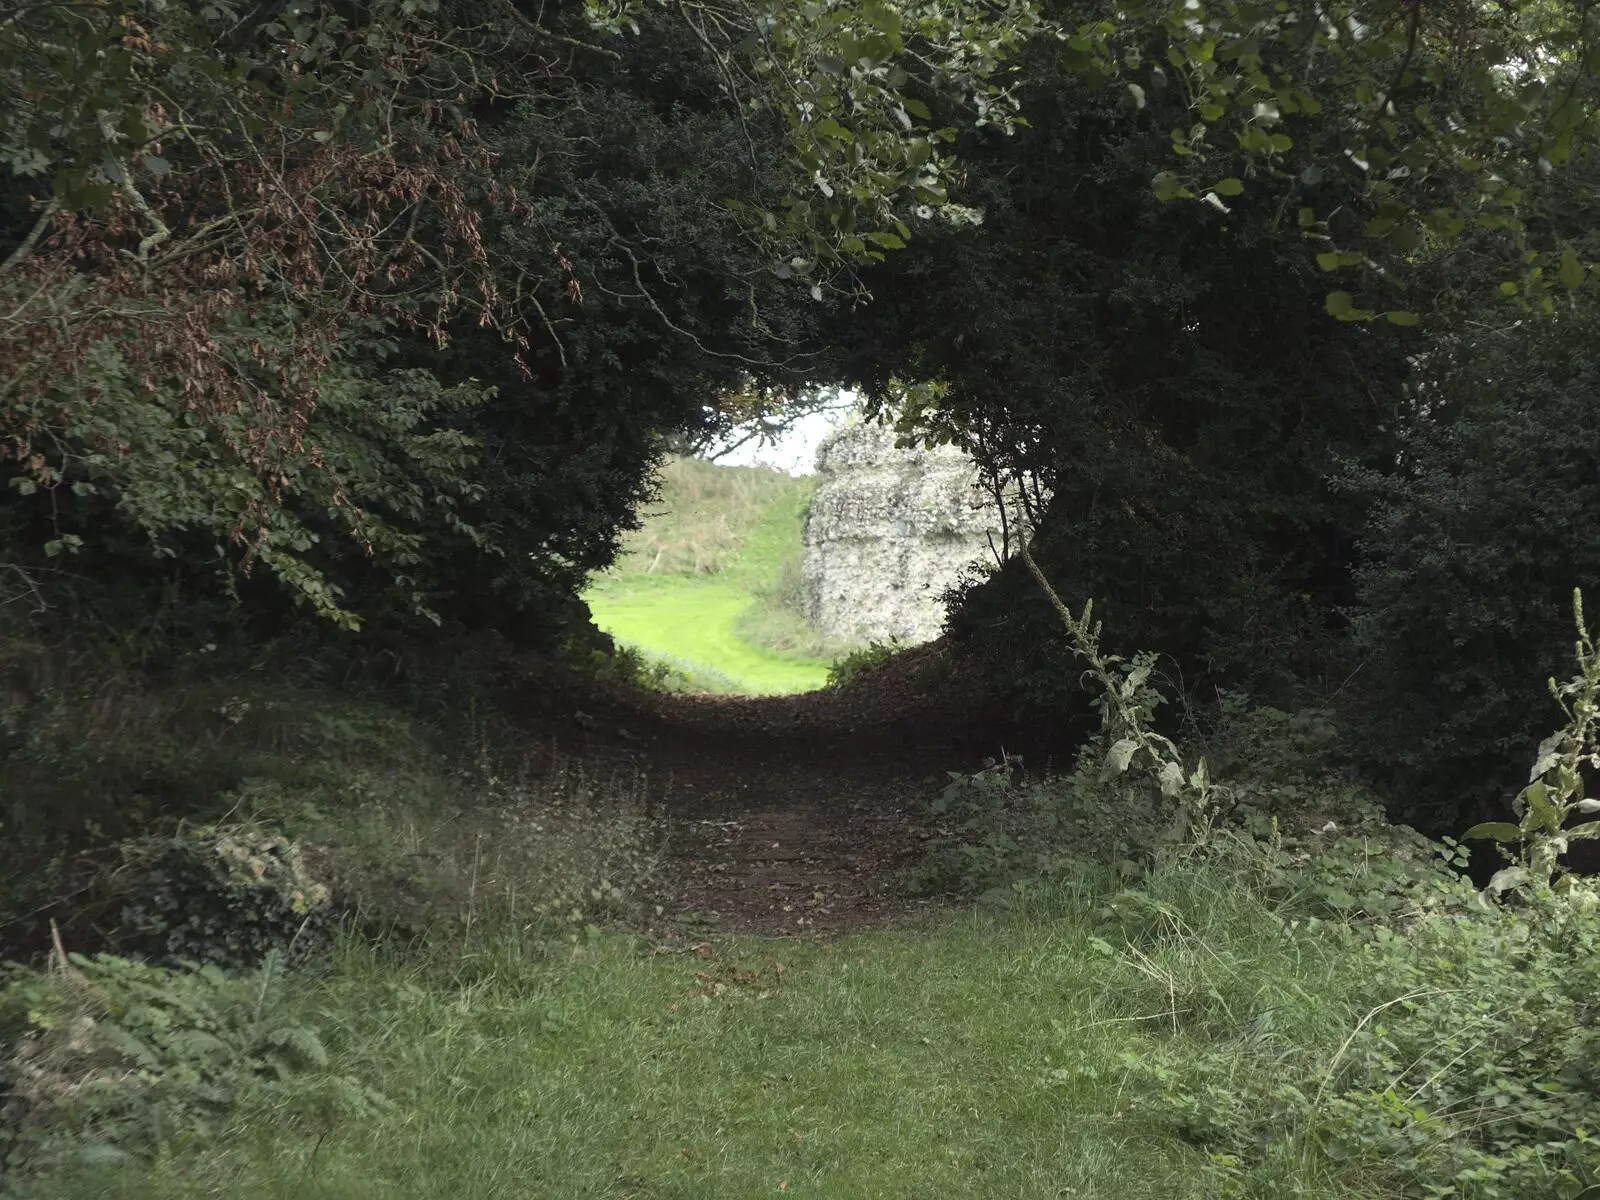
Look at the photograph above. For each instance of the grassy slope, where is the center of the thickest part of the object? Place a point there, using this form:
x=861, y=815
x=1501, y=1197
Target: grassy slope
x=1022, y=1054
x=737, y=526
x=693, y=622
x=984, y=1058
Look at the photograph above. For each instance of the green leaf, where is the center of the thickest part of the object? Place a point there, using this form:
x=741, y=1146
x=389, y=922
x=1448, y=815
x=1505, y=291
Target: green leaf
x=1329, y=261
x=1166, y=185
x=1211, y=112
x=1507, y=878
x=886, y=19
x=1541, y=812
x=1571, y=271
x=1401, y=317
x=1549, y=754
x=1307, y=218
x=1118, y=758
x=1171, y=779
x=1342, y=306
x=1494, y=831
x=1228, y=187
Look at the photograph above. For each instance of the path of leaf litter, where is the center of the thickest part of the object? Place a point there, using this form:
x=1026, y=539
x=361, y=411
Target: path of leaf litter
x=793, y=814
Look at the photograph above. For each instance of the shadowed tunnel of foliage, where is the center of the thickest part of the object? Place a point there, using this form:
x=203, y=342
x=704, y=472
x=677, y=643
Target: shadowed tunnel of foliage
x=462, y=462
x=1167, y=375
x=339, y=343
x=1237, y=480
x=421, y=381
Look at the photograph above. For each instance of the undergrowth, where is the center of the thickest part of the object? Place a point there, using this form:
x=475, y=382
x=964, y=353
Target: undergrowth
x=1304, y=1001
x=112, y=1060
x=214, y=820
x=860, y=660
x=1456, y=1055
x=632, y=667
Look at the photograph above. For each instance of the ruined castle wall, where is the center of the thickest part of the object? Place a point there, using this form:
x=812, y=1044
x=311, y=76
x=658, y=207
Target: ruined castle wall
x=889, y=530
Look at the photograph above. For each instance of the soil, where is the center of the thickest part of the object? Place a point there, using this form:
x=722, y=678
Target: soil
x=794, y=815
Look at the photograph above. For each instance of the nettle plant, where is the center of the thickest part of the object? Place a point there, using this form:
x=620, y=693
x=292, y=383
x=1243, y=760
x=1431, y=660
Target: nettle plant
x=1554, y=795
x=1190, y=800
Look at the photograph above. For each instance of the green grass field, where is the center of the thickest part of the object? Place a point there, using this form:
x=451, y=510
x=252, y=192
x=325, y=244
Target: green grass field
x=1227, y=1023
x=981, y=1058
x=693, y=622
x=708, y=584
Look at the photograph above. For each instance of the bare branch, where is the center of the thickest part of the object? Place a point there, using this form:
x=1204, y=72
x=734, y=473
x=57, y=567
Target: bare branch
x=16, y=257
x=541, y=31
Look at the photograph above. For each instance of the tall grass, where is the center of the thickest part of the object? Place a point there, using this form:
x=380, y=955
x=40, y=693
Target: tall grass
x=704, y=516
x=417, y=803
x=1045, y=1051
x=1191, y=1025
x=982, y=1058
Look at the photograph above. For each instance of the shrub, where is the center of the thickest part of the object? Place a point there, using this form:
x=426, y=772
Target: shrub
x=227, y=895
x=501, y=843
x=855, y=663
x=1474, y=543
x=1002, y=834
x=103, y=1057
x=1469, y=1068
x=631, y=667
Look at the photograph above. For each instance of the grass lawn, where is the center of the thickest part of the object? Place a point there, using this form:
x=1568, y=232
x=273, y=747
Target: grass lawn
x=985, y=1056
x=692, y=621
x=746, y=523
x=981, y=1059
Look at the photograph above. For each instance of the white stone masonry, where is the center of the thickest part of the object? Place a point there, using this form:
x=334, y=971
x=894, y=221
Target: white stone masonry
x=889, y=530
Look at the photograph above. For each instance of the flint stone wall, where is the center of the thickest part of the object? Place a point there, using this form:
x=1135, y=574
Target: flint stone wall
x=888, y=531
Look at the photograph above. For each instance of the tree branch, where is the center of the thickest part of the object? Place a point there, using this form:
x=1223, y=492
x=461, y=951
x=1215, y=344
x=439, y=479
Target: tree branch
x=535, y=27
x=16, y=257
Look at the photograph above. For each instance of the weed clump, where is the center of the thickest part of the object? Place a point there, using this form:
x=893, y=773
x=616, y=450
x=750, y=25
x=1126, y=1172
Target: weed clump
x=110, y=1058
x=859, y=661
x=227, y=895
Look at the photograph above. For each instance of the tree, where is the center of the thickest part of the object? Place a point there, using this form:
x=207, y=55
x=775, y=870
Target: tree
x=1141, y=329
x=215, y=211
x=222, y=213
x=1166, y=380
x=1480, y=529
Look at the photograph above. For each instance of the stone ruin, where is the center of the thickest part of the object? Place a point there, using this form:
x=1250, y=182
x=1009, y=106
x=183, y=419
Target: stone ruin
x=888, y=531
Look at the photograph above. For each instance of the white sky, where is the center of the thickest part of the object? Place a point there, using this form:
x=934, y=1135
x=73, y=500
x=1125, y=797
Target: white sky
x=796, y=453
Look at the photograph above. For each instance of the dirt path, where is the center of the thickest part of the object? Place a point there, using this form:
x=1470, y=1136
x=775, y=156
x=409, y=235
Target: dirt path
x=796, y=814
